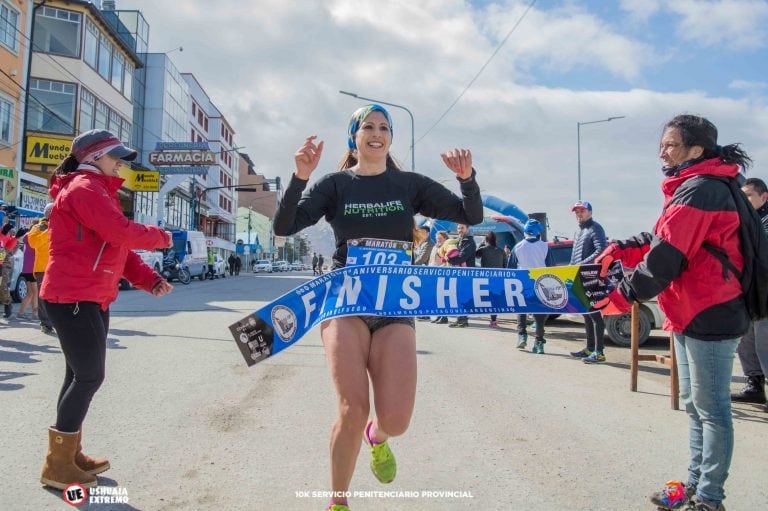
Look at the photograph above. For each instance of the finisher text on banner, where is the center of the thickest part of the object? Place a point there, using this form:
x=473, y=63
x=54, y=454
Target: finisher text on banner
x=388, y=290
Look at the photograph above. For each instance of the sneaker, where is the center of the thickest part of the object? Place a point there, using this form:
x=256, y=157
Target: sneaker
x=582, y=353
x=337, y=507
x=675, y=495
x=423, y=318
x=697, y=504
x=383, y=464
x=494, y=324
x=47, y=330
x=458, y=324
x=441, y=320
x=594, y=358
x=538, y=347
x=522, y=341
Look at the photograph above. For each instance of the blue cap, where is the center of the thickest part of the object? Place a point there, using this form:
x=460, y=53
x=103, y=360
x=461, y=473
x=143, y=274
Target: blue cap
x=533, y=228
x=582, y=204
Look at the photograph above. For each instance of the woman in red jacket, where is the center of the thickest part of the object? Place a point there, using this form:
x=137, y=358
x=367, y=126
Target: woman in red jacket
x=702, y=302
x=90, y=249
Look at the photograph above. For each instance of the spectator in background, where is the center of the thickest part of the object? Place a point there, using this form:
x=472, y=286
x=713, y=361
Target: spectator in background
x=422, y=250
x=507, y=252
x=320, y=262
x=491, y=256
x=39, y=240
x=314, y=263
x=8, y=244
x=753, y=347
x=238, y=265
x=231, y=261
x=532, y=252
x=466, y=256
x=436, y=259
x=587, y=245
x=28, y=274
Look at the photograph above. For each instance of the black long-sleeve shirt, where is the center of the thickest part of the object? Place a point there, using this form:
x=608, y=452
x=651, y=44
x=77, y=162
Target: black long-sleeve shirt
x=380, y=206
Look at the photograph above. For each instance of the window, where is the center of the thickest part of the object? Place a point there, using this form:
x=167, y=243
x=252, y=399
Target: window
x=194, y=112
x=87, y=108
x=91, y=46
x=125, y=131
x=114, y=122
x=128, y=84
x=105, y=56
x=102, y=113
x=9, y=23
x=51, y=106
x=6, y=122
x=57, y=31
x=118, y=62
x=200, y=117
x=206, y=125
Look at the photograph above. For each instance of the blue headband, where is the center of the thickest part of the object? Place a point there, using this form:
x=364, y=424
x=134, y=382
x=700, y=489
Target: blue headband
x=359, y=116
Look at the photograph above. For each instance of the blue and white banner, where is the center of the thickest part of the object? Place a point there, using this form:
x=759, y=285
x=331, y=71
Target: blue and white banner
x=386, y=290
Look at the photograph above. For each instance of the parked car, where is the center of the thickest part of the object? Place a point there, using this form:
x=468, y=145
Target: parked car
x=295, y=267
x=264, y=265
x=18, y=285
x=219, y=266
x=280, y=266
x=618, y=328
x=152, y=258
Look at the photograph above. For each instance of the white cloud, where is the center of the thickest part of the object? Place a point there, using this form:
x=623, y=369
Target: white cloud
x=641, y=10
x=735, y=24
x=565, y=38
x=275, y=68
x=748, y=85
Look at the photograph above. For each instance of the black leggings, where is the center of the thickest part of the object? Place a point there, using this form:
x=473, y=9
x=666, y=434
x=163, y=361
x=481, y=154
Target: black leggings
x=595, y=327
x=82, y=328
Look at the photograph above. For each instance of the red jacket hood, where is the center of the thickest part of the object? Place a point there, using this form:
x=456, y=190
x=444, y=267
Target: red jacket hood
x=60, y=182
x=711, y=167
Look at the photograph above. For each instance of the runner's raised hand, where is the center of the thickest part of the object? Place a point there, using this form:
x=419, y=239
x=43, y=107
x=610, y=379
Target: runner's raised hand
x=307, y=157
x=459, y=161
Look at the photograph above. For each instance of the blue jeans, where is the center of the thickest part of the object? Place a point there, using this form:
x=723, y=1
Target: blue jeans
x=704, y=369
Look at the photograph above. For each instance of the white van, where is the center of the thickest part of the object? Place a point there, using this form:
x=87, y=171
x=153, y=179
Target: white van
x=192, y=252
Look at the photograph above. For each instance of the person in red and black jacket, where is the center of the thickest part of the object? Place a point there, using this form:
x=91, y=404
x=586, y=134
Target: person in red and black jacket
x=702, y=301
x=90, y=249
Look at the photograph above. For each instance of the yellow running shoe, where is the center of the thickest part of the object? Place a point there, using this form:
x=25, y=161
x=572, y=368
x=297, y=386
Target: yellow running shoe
x=337, y=507
x=383, y=464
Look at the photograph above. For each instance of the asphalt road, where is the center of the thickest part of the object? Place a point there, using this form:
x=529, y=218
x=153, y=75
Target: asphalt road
x=188, y=426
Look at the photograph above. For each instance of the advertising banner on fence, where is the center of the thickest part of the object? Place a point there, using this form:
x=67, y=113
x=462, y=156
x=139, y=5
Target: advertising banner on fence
x=387, y=290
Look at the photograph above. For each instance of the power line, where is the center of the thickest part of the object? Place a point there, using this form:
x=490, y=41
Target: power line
x=479, y=72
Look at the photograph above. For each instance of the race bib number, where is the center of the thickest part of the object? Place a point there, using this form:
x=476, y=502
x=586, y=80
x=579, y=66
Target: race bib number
x=368, y=251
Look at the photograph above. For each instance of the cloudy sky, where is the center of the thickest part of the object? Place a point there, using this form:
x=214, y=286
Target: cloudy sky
x=274, y=68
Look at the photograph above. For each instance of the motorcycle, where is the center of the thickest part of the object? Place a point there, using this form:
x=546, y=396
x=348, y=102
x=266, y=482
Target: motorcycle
x=173, y=269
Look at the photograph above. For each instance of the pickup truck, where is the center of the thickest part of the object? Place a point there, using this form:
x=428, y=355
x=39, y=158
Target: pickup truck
x=152, y=258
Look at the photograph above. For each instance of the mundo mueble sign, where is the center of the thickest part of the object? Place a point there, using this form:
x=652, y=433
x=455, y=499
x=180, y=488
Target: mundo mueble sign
x=186, y=154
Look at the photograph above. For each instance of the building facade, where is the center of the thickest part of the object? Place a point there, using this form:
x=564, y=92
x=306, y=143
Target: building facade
x=14, y=27
x=216, y=212
x=81, y=78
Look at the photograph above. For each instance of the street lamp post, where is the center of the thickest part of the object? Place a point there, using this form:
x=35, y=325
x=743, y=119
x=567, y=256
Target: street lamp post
x=578, y=145
x=413, y=145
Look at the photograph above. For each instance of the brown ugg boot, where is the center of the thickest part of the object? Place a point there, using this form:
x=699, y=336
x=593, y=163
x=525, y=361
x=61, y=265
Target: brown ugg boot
x=59, y=469
x=87, y=464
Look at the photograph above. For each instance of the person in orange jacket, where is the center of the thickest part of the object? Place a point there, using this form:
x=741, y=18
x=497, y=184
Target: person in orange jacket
x=40, y=243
